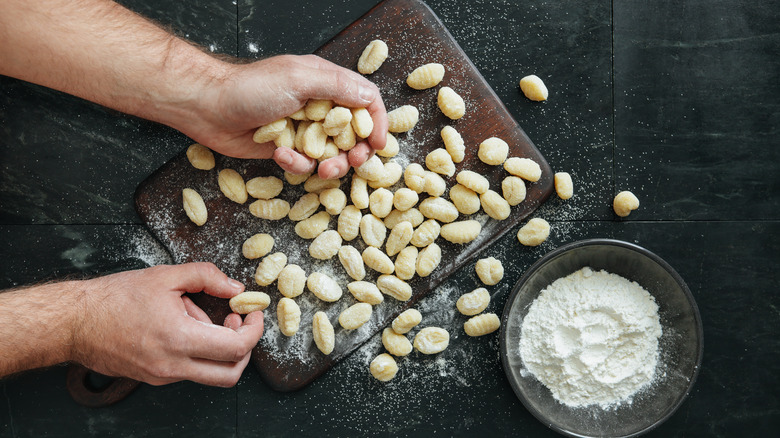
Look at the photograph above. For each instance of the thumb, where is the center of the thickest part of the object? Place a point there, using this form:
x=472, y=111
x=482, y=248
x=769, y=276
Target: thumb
x=325, y=80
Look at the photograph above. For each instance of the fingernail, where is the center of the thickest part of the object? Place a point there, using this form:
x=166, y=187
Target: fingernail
x=235, y=284
x=366, y=93
x=285, y=158
x=334, y=173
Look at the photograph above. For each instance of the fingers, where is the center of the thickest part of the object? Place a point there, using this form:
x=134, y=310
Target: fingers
x=293, y=162
x=232, y=321
x=326, y=80
x=378, y=137
x=224, y=344
x=335, y=167
x=194, y=311
x=203, y=277
x=360, y=153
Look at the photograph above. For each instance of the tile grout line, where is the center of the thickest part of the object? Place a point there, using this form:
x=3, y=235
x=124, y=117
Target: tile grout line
x=10, y=414
x=614, y=142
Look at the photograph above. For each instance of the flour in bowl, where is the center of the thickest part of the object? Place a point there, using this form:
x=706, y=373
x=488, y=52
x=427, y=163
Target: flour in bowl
x=592, y=338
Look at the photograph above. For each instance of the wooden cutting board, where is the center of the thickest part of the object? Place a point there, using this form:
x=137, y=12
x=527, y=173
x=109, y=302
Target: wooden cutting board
x=415, y=36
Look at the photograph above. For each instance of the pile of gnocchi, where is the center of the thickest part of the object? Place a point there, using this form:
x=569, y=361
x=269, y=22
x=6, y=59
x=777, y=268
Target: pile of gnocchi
x=398, y=230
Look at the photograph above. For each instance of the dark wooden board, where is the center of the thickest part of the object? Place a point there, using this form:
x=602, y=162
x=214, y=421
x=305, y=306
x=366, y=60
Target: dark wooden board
x=415, y=36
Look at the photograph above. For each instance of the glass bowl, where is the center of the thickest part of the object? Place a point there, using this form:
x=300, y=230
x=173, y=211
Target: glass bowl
x=680, y=345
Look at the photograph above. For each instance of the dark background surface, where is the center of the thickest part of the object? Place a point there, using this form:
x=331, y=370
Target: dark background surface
x=677, y=101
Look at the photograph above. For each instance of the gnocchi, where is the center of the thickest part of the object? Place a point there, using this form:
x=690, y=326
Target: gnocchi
x=358, y=192
x=336, y=120
x=534, y=232
x=300, y=132
x=375, y=259
x=352, y=261
x=286, y=138
x=495, y=205
x=313, y=226
x=314, y=140
x=405, y=263
x=481, y=325
x=380, y=202
x=270, y=131
x=533, y=88
x=489, y=270
x=431, y=340
x=334, y=200
x=346, y=139
x=257, y=246
x=434, y=184
x=465, y=200
x=563, y=185
x=365, y=292
x=288, y=315
x=414, y=177
x=473, y=181
x=200, y=157
x=394, y=287
x=349, y=222
x=428, y=260
x=383, y=367
x=513, y=190
x=404, y=199
x=450, y=103
x=330, y=151
x=399, y=237
x=317, y=109
x=362, y=123
x=291, y=281
x=232, y=185
x=372, y=57
x=326, y=245
x=453, y=143
x=324, y=287
x=296, y=178
x=624, y=203
x=474, y=302
x=425, y=76
x=354, y=316
x=304, y=207
x=372, y=230
x=525, y=168
x=391, y=148
x=440, y=209
x=371, y=170
x=248, y=302
x=407, y=320
x=391, y=173
x=461, y=232
x=270, y=209
x=315, y=184
x=426, y=233
x=194, y=206
x=264, y=187
x=323, y=333
x=402, y=119
x=493, y=151
x=440, y=161
x=269, y=268
x=396, y=344
x=411, y=215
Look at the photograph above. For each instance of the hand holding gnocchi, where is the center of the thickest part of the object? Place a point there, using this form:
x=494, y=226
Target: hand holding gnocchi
x=272, y=93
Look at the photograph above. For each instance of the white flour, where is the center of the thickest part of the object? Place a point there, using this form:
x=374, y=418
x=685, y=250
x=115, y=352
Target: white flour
x=592, y=338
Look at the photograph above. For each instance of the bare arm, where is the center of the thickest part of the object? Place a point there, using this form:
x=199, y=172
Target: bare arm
x=100, y=51
x=136, y=324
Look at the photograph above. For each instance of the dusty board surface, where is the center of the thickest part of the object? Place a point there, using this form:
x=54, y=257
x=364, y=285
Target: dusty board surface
x=415, y=36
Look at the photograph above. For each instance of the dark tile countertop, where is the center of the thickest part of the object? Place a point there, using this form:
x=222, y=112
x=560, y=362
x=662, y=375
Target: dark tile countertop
x=678, y=101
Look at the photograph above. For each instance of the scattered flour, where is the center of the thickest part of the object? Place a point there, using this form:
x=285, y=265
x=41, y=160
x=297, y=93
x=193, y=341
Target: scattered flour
x=592, y=338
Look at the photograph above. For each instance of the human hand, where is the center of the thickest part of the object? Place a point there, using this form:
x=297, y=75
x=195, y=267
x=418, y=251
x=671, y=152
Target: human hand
x=252, y=95
x=139, y=324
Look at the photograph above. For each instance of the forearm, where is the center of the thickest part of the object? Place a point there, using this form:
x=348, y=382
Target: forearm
x=37, y=325
x=101, y=51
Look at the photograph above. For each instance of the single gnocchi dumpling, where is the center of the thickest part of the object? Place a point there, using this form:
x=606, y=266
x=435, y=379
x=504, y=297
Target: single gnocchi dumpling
x=334, y=200
x=324, y=287
x=405, y=263
x=372, y=57
x=326, y=245
x=249, y=301
x=286, y=138
x=534, y=232
x=473, y=181
x=349, y=222
x=347, y=139
x=474, y=302
x=434, y=184
x=200, y=157
x=194, y=206
x=465, y=200
x=399, y=237
x=513, y=190
x=450, y=103
x=428, y=260
x=299, y=115
x=362, y=123
x=331, y=150
x=269, y=268
x=270, y=209
x=304, y=207
x=624, y=203
x=232, y=185
x=391, y=173
x=315, y=184
x=440, y=161
x=371, y=170
x=414, y=177
x=270, y=131
x=440, y=209
x=257, y=246
x=323, y=333
x=383, y=367
x=291, y=281
x=358, y=192
x=365, y=292
x=563, y=185
x=411, y=215
x=375, y=259
x=453, y=144
x=314, y=140
x=402, y=119
x=317, y=109
x=426, y=233
x=495, y=205
x=431, y=340
x=489, y=270
x=394, y=287
x=391, y=148
x=493, y=151
x=482, y=324
x=354, y=316
x=425, y=76
x=461, y=232
x=264, y=187
x=313, y=226
x=336, y=120
x=404, y=199
x=352, y=261
x=288, y=316
x=525, y=168
x=407, y=320
x=533, y=88
x=300, y=132
x=380, y=202
x=395, y=344
x=372, y=230
x=296, y=179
